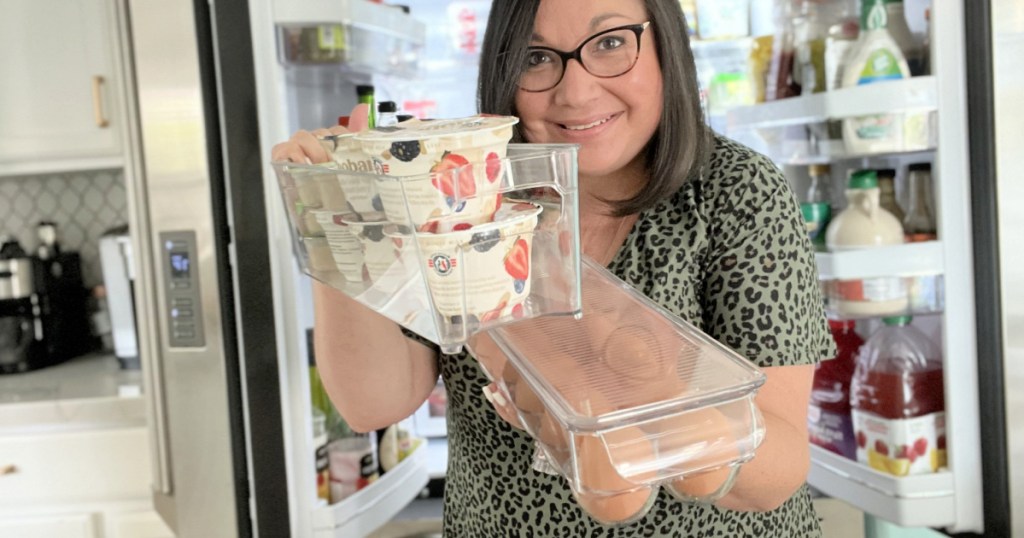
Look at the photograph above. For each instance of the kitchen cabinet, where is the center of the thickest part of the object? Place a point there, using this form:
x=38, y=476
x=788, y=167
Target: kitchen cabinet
x=61, y=97
x=74, y=453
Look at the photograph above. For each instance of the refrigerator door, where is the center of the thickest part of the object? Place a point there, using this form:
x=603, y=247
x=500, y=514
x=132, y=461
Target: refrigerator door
x=1007, y=40
x=204, y=322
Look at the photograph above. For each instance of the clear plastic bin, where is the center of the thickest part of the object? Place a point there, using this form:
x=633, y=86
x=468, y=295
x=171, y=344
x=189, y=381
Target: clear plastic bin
x=361, y=49
x=428, y=269
x=627, y=398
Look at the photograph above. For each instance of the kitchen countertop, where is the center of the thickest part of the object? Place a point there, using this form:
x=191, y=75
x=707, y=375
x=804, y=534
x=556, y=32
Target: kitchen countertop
x=86, y=392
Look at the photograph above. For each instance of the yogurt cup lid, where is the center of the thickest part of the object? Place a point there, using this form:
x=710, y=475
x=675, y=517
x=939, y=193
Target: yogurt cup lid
x=360, y=219
x=427, y=129
x=510, y=211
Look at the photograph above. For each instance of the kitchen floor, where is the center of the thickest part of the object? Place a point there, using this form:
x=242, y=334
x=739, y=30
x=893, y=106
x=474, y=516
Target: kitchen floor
x=421, y=519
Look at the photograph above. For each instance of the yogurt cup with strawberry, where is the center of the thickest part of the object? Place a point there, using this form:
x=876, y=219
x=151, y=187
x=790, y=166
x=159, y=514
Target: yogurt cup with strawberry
x=439, y=168
x=480, y=271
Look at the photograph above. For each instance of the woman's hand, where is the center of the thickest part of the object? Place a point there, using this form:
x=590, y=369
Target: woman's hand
x=304, y=146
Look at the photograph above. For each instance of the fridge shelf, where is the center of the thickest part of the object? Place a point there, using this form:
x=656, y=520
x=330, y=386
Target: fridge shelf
x=356, y=35
x=912, y=501
x=915, y=94
x=807, y=158
x=911, y=259
x=371, y=507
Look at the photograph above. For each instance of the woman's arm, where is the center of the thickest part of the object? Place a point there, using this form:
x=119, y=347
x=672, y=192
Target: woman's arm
x=780, y=467
x=374, y=374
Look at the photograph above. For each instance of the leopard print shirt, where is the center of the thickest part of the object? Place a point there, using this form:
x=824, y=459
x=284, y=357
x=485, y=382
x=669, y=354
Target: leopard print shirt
x=729, y=253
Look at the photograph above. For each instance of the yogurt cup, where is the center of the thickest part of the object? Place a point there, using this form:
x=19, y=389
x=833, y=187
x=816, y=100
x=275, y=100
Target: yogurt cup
x=344, y=245
x=377, y=248
x=481, y=270
x=439, y=167
x=319, y=254
x=355, y=171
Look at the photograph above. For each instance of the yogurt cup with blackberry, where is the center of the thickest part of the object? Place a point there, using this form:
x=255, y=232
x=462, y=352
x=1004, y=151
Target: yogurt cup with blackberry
x=439, y=168
x=479, y=273
x=379, y=256
x=355, y=173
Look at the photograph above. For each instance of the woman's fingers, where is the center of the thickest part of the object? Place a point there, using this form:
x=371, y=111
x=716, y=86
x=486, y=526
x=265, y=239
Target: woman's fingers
x=505, y=409
x=303, y=147
x=359, y=119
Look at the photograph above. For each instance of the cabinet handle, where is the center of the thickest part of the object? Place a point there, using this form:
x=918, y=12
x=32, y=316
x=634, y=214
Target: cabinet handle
x=7, y=469
x=97, y=101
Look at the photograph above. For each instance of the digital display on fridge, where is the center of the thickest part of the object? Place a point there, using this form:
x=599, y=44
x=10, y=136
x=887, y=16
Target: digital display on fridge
x=180, y=264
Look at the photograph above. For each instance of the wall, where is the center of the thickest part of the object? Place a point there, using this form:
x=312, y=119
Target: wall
x=83, y=204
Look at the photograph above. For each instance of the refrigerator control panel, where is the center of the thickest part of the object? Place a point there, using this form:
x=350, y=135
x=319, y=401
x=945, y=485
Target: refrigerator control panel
x=184, y=312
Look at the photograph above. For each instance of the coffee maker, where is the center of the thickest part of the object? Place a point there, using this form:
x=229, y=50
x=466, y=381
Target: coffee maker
x=43, y=309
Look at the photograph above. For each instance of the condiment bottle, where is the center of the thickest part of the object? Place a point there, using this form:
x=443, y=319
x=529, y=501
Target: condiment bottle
x=919, y=222
x=898, y=401
x=365, y=95
x=817, y=208
x=876, y=57
x=887, y=192
x=865, y=224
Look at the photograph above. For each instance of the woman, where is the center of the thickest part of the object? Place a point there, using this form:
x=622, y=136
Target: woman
x=701, y=225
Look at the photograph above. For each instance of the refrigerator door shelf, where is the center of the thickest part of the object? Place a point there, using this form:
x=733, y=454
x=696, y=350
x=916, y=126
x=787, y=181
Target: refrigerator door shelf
x=360, y=13
x=912, y=501
x=917, y=94
x=910, y=259
x=371, y=507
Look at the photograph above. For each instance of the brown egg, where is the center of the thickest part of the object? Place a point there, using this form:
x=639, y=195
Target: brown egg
x=710, y=430
x=618, y=508
x=605, y=494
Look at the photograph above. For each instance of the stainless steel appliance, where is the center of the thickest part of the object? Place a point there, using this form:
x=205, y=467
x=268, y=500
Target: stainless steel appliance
x=119, y=280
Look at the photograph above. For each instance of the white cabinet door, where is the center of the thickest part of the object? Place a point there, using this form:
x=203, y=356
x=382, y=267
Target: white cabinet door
x=64, y=526
x=137, y=525
x=60, y=95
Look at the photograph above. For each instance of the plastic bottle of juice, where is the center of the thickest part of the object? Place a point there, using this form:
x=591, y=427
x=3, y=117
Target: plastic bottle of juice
x=865, y=224
x=828, y=419
x=898, y=401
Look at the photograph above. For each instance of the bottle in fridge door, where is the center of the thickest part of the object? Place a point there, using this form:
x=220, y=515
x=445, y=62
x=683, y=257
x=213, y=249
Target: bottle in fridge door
x=865, y=224
x=829, y=421
x=817, y=205
x=898, y=401
x=919, y=222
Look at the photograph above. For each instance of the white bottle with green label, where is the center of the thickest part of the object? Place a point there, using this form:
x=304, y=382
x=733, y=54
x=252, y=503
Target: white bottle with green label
x=876, y=57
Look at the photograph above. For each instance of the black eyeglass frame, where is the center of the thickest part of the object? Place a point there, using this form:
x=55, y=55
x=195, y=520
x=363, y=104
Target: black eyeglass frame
x=577, y=54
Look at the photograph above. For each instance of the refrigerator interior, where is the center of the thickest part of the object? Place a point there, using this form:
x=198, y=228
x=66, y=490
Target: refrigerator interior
x=434, y=77
x=951, y=498
x=306, y=96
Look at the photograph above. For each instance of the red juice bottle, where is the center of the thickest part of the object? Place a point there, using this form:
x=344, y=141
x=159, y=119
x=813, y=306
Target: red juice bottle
x=898, y=401
x=829, y=422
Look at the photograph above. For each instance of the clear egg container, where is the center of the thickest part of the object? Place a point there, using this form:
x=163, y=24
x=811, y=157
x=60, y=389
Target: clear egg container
x=469, y=246
x=626, y=399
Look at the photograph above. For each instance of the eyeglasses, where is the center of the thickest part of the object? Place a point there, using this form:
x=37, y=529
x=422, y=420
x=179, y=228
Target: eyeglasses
x=607, y=54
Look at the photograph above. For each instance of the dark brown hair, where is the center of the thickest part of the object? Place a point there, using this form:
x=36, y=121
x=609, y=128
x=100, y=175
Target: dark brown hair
x=680, y=146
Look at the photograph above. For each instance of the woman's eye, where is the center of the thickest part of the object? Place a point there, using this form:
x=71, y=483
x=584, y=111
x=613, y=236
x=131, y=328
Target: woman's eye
x=537, y=58
x=609, y=42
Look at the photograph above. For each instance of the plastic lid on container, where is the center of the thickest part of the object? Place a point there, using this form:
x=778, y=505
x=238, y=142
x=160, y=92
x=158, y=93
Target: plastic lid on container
x=625, y=361
x=363, y=89
x=425, y=129
x=387, y=106
x=920, y=167
x=897, y=321
x=864, y=179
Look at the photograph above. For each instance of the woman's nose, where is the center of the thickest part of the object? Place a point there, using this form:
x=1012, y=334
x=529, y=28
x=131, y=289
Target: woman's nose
x=577, y=85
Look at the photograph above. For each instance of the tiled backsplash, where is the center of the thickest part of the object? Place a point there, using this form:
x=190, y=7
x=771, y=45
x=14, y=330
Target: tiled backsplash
x=83, y=204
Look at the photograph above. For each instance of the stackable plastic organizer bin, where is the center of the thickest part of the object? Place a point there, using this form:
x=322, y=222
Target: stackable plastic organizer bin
x=621, y=396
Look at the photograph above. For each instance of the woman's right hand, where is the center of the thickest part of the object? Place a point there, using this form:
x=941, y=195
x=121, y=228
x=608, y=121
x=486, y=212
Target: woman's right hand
x=304, y=147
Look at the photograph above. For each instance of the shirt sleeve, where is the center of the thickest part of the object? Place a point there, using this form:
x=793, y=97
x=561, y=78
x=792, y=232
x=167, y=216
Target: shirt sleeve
x=761, y=294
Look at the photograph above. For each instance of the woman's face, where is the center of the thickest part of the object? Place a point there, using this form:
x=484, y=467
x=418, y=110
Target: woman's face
x=612, y=119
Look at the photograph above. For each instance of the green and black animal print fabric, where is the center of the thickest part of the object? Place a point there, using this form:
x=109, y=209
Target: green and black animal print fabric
x=729, y=253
